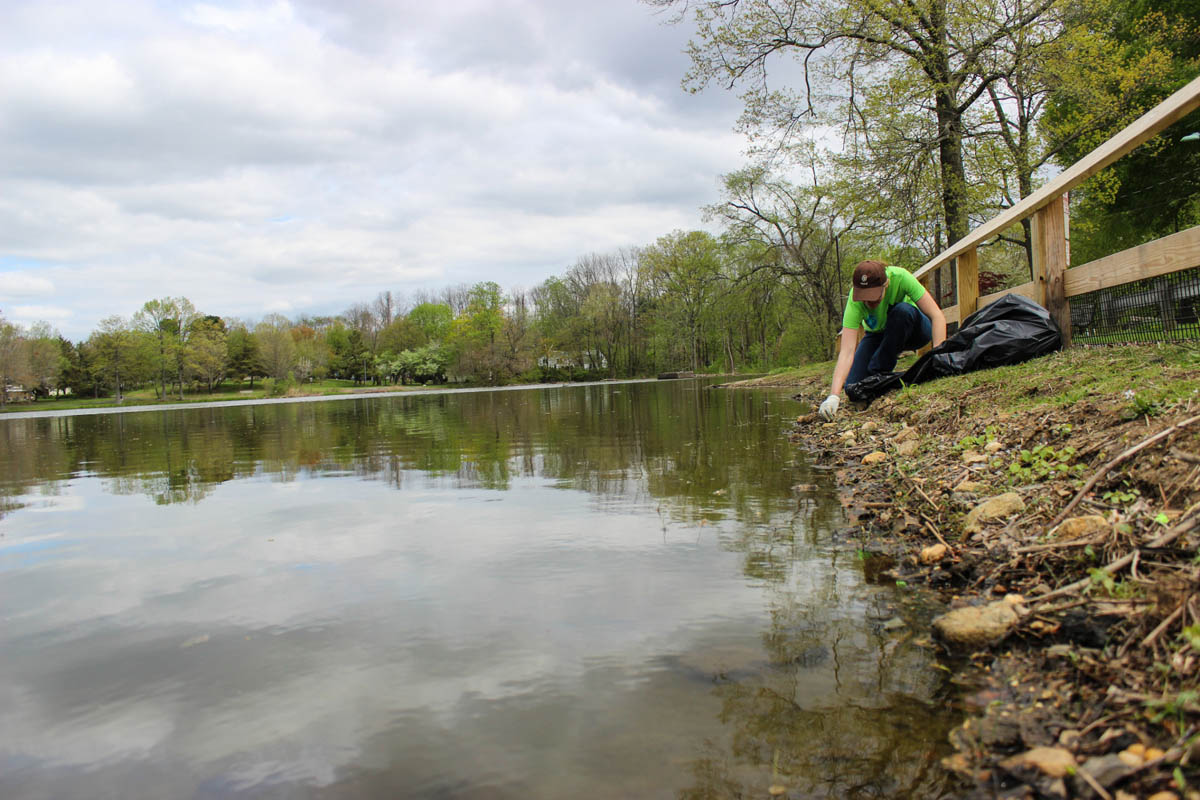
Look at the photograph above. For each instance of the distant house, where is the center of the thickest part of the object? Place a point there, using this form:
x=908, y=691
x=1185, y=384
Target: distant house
x=17, y=394
x=557, y=359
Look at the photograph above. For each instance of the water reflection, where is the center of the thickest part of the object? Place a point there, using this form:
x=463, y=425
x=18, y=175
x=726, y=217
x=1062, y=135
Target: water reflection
x=600, y=591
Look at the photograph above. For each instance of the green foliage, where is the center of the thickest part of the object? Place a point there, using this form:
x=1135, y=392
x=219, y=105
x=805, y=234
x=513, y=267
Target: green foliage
x=1176, y=707
x=977, y=441
x=1043, y=462
x=1141, y=405
x=1121, y=496
x=1111, y=586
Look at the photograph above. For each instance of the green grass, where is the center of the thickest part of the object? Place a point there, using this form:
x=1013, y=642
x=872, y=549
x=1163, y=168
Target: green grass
x=1147, y=375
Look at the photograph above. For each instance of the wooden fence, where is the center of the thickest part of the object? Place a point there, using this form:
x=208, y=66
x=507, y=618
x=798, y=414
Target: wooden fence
x=1053, y=284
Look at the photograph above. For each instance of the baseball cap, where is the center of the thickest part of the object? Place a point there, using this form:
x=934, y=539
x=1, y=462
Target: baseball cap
x=869, y=278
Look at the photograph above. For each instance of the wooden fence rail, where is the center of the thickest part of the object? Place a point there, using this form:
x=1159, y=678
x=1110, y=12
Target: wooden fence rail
x=1053, y=283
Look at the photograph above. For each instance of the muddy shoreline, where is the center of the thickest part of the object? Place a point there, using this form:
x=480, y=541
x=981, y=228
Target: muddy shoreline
x=1065, y=535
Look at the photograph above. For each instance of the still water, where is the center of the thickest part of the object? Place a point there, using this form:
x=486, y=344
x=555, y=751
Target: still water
x=610, y=590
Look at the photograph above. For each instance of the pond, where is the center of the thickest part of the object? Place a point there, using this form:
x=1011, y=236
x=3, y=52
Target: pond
x=604, y=590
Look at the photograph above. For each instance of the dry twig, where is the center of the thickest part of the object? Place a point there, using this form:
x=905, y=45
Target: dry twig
x=1100, y=473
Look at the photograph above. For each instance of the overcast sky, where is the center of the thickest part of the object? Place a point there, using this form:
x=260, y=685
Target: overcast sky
x=297, y=157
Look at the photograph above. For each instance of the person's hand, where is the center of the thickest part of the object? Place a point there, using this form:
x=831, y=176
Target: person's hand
x=829, y=408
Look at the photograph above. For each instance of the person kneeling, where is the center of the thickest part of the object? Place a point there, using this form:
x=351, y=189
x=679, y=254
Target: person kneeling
x=897, y=314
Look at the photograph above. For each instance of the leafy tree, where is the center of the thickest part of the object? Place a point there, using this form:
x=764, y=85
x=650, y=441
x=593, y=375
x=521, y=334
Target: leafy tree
x=157, y=318
x=1134, y=55
x=433, y=319
x=14, y=359
x=401, y=334
x=120, y=355
x=475, y=335
x=276, y=348
x=906, y=82
x=358, y=357
x=794, y=232
x=687, y=269
x=208, y=352
x=241, y=353
x=75, y=369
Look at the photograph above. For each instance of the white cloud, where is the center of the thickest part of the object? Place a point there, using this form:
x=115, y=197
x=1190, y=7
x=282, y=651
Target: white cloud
x=23, y=284
x=254, y=155
x=28, y=315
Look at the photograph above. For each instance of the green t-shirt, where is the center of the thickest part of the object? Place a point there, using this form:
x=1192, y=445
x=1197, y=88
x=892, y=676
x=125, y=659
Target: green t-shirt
x=901, y=287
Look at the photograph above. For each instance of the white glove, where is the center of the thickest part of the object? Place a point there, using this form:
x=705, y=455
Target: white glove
x=829, y=408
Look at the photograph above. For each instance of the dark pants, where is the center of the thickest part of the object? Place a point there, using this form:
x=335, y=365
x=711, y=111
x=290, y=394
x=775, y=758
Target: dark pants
x=907, y=329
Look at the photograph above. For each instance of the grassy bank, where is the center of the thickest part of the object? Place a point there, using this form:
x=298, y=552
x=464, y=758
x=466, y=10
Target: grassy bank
x=224, y=393
x=1059, y=500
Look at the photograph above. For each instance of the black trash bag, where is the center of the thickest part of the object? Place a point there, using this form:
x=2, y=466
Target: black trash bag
x=874, y=386
x=1011, y=330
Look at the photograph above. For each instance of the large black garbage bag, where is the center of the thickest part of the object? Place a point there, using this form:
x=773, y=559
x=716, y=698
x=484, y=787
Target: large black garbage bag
x=1011, y=330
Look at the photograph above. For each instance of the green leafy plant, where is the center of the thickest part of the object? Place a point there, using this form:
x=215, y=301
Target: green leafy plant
x=977, y=441
x=1191, y=635
x=1176, y=706
x=1121, y=496
x=1043, y=462
x=1111, y=586
x=1141, y=405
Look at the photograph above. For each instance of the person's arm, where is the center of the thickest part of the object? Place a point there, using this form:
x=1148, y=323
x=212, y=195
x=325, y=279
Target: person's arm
x=929, y=308
x=846, y=357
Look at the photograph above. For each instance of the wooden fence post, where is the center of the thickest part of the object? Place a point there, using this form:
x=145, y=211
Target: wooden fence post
x=968, y=284
x=928, y=282
x=1050, y=262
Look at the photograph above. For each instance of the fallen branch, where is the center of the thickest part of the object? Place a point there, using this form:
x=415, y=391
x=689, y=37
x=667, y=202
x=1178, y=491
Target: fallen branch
x=1162, y=626
x=1035, y=548
x=1100, y=473
x=1183, y=527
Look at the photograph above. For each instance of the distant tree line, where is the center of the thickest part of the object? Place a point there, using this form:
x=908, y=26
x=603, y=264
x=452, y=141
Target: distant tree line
x=946, y=111
x=690, y=301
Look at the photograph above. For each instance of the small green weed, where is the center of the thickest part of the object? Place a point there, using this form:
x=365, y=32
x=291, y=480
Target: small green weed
x=1176, y=706
x=1043, y=462
x=1141, y=405
x=1191, y=635
x=977, y=441
x=1111, y=586
x=1121, y=496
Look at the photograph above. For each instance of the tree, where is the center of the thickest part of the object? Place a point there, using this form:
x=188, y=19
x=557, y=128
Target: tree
x=476, y=335
x=433, y=319
x=1131, y=56
x=855, y=54
x=312, y=353
x=401, y=334
x=796, y=231
x=157, y=319
x=75, y=373
x=276, y=348
x=208, y=351
x=43, y=354
x=686, y=267
x=14, y=359
x=120, y=356
x=241, y=353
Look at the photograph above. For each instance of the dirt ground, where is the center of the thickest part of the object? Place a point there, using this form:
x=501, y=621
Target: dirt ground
x=1062, y=496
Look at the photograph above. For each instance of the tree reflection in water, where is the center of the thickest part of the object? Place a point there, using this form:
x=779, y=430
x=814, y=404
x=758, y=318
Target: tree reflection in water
x=830, y=705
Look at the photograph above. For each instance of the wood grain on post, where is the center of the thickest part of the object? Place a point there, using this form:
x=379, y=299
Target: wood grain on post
x=968, y=283
x=1050, y=243
x=927, y=282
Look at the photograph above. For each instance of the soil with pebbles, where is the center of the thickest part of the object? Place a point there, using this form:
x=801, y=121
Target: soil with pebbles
x=1093, y=690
